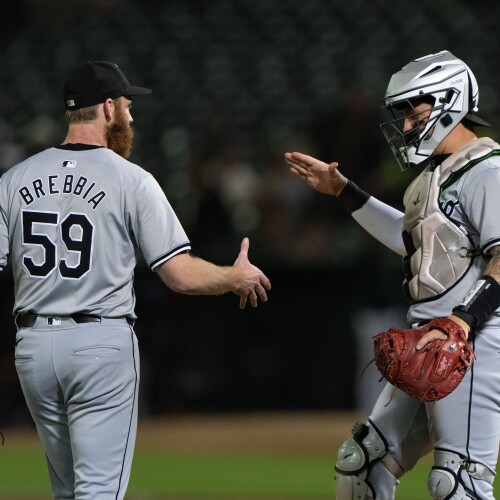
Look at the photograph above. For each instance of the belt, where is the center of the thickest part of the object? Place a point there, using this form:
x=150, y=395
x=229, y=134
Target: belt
x=28, y=320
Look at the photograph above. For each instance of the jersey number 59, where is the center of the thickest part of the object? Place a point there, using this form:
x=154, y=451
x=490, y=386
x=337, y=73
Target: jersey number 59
x=70, y=226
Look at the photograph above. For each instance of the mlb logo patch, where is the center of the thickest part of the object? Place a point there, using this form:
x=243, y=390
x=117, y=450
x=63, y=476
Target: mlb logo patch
x=69, y=164
x=70, y=103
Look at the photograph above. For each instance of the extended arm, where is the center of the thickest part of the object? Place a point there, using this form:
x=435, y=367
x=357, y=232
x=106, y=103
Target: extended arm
x=190, y=275
x=380, y=220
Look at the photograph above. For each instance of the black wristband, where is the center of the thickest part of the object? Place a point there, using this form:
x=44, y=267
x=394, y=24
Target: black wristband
x=480, y=302
x=468, y=318
x=353, y=197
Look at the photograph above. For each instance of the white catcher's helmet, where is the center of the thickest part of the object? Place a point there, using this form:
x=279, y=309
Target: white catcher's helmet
x=448, y=85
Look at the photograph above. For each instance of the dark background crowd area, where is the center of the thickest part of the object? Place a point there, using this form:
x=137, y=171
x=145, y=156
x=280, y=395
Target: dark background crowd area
x=235, y=85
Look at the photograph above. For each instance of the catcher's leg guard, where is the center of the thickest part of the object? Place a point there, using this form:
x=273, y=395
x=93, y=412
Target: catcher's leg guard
x=445, y=480
x=353, y=461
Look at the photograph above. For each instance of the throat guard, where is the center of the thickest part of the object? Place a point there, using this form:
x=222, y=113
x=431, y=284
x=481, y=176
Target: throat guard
x=439, y=252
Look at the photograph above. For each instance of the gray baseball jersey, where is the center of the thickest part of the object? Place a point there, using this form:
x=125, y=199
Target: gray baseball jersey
x=71, y=220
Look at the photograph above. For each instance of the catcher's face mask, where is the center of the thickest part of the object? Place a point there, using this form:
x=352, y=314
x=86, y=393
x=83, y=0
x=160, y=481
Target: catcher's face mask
x=413, y=122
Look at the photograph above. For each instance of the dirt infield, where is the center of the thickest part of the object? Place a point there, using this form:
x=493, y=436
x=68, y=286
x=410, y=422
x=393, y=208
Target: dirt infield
x=274, y=432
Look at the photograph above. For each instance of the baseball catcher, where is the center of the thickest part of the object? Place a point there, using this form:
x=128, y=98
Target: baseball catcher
x=444, y=374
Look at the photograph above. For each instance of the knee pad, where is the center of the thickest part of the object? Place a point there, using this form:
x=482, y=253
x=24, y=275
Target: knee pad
x=445, y=481
x=354, y=458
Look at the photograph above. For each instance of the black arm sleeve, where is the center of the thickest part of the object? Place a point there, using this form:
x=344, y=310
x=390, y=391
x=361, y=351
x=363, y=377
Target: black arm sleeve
x=353, y=197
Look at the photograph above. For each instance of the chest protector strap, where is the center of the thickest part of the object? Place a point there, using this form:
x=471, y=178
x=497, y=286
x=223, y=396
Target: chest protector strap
x=438, y=251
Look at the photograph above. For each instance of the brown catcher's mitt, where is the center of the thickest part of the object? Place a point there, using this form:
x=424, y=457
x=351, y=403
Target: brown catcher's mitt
x=434, y=371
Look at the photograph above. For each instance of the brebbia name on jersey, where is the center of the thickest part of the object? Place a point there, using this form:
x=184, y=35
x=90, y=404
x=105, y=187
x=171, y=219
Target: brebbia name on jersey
x=63, y=184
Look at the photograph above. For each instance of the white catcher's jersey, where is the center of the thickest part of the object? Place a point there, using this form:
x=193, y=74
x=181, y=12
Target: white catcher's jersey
x=71, y=218
x=469, y=196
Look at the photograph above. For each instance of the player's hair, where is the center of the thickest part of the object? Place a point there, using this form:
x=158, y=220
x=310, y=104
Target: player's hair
x=82, y=115
x=468, y=124
x=85, y=115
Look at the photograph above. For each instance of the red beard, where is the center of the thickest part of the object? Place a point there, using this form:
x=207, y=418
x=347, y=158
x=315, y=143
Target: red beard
x=120, y=134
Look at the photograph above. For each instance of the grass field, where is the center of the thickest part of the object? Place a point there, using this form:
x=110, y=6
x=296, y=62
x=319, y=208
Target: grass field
x=271, y=457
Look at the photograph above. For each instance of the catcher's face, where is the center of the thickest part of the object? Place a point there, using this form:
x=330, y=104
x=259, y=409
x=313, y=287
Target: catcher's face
x=415, y=117
x=413, y=124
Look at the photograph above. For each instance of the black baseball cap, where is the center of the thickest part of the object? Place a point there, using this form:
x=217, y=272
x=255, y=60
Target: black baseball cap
x=95, y=81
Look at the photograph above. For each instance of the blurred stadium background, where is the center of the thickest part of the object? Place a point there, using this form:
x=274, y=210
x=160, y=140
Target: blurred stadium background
x=236, y=84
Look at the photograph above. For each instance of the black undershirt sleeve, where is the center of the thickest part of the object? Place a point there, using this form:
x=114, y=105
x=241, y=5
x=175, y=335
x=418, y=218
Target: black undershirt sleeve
x=353, y=197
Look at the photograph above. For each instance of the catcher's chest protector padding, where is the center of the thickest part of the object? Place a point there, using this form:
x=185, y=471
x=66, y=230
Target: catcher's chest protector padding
x=438, y=251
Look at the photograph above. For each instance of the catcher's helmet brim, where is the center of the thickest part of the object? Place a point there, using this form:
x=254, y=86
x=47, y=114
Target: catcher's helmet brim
x=476, y=120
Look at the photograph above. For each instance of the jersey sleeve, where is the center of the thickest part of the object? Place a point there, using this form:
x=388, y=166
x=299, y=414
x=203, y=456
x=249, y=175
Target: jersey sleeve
x=4, y=230
x=481, y=194
x=156, y=228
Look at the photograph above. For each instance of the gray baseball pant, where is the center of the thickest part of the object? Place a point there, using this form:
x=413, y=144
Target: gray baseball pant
x=81, y=382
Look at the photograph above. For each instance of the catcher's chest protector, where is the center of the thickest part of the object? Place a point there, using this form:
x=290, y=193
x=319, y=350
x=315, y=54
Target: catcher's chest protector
x=439, y=252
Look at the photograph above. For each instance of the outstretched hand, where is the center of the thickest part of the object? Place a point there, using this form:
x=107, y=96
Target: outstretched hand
x=321, y=176
x=251, y=282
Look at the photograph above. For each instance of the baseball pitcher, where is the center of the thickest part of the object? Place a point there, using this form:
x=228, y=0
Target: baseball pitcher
x=71, y=219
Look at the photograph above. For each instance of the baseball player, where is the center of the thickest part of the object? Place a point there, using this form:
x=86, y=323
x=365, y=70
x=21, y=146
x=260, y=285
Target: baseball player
x=449, y=237
x=71, y=218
